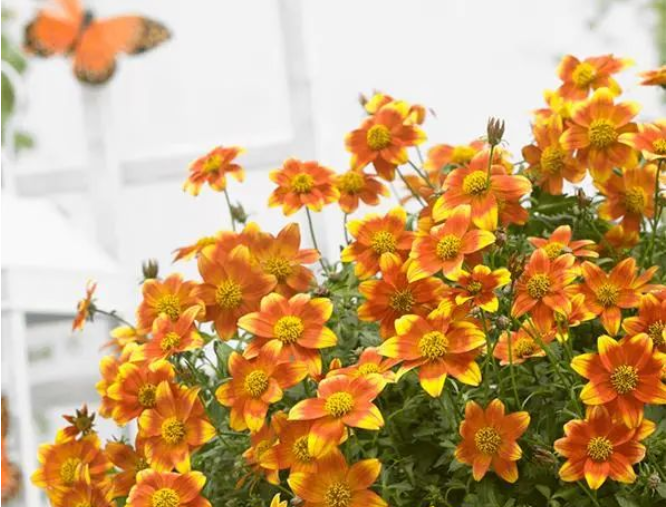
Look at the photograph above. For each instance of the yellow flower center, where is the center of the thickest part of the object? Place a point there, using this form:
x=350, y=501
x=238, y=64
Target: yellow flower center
x=146, y=395
x=256, y=383
x=525, y=347
x=475, y=183
x=402, y=301
x=474, y=287
x=448, y=247
x=173, y=431
x=300, y=450
x=552, y=160
x=338, y=494
x=538, y=286
x=212, y=164
x=583, y=75
x=69, y=470
x=487, y=440
x=553, y=250
x=659, y=146
x=378, y=137
x=634, y=200
x=383, y=242
x=85, y=503
x=599, y=448
x=656, y=332
x=302, y=183
x=288, y=329
x=608, y=294
x=351, y=182
x=170, y=341
x=602, y=133
x=165, y=497
x=368, y=368
x=279, y=267
x=462, y=154
x=169, y=304
x=433, y=345
x=624, y=378
x=228, y=295
x=339, y=404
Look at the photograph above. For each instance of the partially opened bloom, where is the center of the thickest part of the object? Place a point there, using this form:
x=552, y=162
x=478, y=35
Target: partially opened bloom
x=489, y=440
x=437, y=348
x=650, y=139
x=559, y=242
x=296, y=327
x=84, y=306
x=600, y=447
x=444, y=247
x=441, y=155
x=172, y=297
x=260, y=443
x=651, y=319
x=171, y=337
x=383, y=139
x=523, y=344
x=129, y=461
x=302, y=184
x=376, y=237
x=624, y=376
x=213, y=168
x=175, y=427
x=655, y=77
x=168, y=489
x=579, y=77
x=341, y=401
x=479, y=286
x=370, y=362
x=356, y=186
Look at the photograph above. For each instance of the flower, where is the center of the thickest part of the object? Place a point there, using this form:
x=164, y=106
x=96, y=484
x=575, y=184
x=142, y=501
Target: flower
x=444, y=246
x=599, y=447
x=523, y=345
x=378, y=100
x=437, y=347
x=213, y=168
x=191, y=251
x=559, y=242
x=260, y=443
x=355, y=186
x=130, y=461
x=489, y=440
x=441, y=155
x=651, y=319
x=579, y=77
x=302, y=184
x=233, y=286
x=595, y=131
x=341, y=401
x=393, y=296
x=171, y=337
x=383, y=139
x=88, y=495
x=81, y=422
x=619, y=238
x=370, y=362
x=122, y=337
x=479, y=286
x=172, y=297
x=174, y=427
x=623, y=376
x=168, y=489
x=650, y=139
x=296, y=327
x=85, y=307
x=255, y=384
x=377, y=237
x=338, y=485
x=655, y=77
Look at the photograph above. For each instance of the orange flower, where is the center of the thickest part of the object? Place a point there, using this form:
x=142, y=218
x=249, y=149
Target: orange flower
x=336, y=484
x=558, y=107
x=599, y=447
x=489, y=440
x=472, y=185
x=233, y=286
x=393, y=296
x=174, y=428
x=444, y=247
x=383, y=140
x=651, y=319
x=595, y=132
x=619, y=238
x=255, y=384
x=590, y=74
x=171, y=337
x=437, y=347
x=260, y=443
x=378, y=100
x=122, y=337
x=559, y=242
x=341, y=401
x=629, y=196
x=370, y=362
x=541, y=288
x=479, y=286
x=302, y=184
x=202, y=244
x=655, y=77
x=623, y=376
x=84, y=307
x=650, y=139
x=172, y=296
x=296, y=327
x=441, y=155
x=168, y=489
x=523, y=345
x=129, y=461
x=90, y=495
x=355, y=185
x=606, y=294
x=377, y=237
x=213, y=169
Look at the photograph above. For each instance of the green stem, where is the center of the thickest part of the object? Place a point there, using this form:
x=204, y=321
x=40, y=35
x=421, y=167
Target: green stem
x=414, y=193
x=314, y=239
x=422, y=175
x=657, y=210
x=344, y=228
x=113, y=315
x=489, y=359
x=511, y=372
x=231, y=212
x=588, y=493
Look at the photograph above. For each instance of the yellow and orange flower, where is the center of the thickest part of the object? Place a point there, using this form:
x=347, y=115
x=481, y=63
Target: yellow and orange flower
x=489, y=440
x=260, y=443
x=479, y=286
x=650, y=139
x=129, y=461
x=393, y=296
x=445, y=246
x=355, y=186
x=377, y=237
x=655, y=77
x=619, y=238
x=624, y=376
x=438, y=348
x=175, y=427
x=336, y=484
x=651, y=319
x=302, y=184
x=370, y=362
x=557, y=108
x=559, y=242
x=171, y=337
x=122, y=337
x=441, y=155
x=213, y=168
x=296, y=327
x=202, y=244
x=233, y=286
x=172, y=296
x=600, y=447
x=84, y=306
x=90, y=495
x=168, y=489
x=383, y=139
x=341, y=401
x=579, y=77
x=417, y=112
x=523, y=345
x=595, y=132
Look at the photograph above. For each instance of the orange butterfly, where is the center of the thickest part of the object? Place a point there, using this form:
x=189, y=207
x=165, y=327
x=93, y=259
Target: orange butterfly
x=64, y=28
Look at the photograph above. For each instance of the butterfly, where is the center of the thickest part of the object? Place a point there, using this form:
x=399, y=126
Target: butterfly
x=64, y=28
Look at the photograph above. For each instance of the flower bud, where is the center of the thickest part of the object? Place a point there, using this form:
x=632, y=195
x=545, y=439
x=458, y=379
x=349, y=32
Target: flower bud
x=150, y=269
x=495, y=131
x=238, y=213
x=321, y=291
x=503, y=322
x=583, y=200
x=500, y=238
x=653, y=481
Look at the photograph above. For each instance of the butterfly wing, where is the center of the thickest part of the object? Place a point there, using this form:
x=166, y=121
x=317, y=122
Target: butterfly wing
x=102, y=41
x=55, y=29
